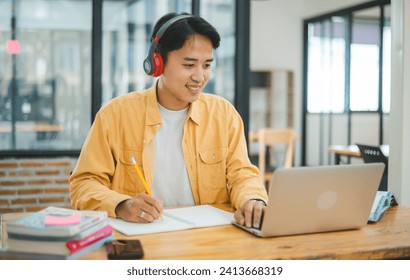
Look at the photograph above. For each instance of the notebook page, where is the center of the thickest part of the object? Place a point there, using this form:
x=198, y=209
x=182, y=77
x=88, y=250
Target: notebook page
x=202, y=215
x=161, y=225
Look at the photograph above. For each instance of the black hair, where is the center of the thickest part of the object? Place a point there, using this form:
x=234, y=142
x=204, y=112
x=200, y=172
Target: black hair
x=180, y=31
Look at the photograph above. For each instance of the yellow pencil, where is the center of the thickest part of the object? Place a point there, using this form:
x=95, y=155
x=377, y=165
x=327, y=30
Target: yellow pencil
x=141, y=176
x=134, y=162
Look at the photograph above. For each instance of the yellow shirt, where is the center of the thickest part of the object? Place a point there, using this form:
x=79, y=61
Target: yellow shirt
x=213, y=146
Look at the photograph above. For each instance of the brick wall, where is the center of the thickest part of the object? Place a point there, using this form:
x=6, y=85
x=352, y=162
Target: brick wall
x=32, y=184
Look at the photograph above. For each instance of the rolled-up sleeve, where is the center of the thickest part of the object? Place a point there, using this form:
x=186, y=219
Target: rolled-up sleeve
x=91, y=179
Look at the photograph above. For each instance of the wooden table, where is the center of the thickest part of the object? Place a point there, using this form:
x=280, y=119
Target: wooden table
x=387, y=239
x=351, y=151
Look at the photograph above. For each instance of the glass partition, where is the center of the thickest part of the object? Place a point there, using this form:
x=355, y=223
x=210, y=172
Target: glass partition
x=364, y=60
x=49, y=88
x=386, y=59
x=326, y=65
x=45, y=91
x=347, y=80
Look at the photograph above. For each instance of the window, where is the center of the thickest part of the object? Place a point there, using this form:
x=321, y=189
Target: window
x=386, y=60
x=51, y=89
x=45, y=91
x=326, y=66
x=364, y=60
x=347, y=79
x=328, y=40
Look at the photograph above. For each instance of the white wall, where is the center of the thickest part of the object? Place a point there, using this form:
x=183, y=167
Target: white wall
x=399, y=160
x=276, y=43
x=313, y=8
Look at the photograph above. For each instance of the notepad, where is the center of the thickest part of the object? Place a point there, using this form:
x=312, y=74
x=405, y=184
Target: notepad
x=177, y=219
x=13, y=47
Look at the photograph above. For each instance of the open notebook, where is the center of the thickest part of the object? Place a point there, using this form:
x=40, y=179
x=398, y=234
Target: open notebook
x=318, y=199
x=177, y=219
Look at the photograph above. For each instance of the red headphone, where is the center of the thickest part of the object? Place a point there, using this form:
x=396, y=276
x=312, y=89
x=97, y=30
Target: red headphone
x=153, y=62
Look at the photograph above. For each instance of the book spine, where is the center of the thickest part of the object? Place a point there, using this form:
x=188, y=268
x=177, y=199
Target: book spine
x=90, y=248
x=76, y=245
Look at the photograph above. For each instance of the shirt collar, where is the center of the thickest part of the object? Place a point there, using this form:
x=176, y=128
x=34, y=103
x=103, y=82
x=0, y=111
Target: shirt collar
x=154, y=116
x=195, y=110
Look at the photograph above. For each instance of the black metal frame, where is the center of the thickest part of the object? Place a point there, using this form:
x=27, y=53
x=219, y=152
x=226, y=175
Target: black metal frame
x=96, y=61
x=242, y=61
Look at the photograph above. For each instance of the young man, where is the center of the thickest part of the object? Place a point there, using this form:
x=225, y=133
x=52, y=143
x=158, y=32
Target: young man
x=190, y=146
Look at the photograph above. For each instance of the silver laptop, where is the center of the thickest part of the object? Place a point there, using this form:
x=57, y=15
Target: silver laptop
x=319, y=199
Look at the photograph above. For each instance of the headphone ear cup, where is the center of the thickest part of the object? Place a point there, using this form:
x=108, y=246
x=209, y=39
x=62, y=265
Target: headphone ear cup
x=158, y=64
x=148, y=67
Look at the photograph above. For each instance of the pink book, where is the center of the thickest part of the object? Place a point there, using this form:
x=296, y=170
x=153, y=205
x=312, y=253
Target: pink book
x=76, y=245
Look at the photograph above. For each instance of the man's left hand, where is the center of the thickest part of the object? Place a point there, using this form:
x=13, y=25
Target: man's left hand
x=250, y=214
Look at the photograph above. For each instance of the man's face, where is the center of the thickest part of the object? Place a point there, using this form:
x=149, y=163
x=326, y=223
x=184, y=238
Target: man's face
x=186, y=73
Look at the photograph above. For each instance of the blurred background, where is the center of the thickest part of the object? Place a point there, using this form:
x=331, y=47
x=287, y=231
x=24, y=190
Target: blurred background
x=320, y=68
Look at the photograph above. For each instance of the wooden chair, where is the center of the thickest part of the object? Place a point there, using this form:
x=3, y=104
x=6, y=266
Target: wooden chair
x=267, y=139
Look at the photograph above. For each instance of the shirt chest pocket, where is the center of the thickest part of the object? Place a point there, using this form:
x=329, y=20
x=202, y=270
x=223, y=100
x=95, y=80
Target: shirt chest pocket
x=128, y=179
x=213, y=168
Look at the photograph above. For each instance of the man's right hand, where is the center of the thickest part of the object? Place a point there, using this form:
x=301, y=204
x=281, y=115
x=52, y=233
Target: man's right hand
x=142, y=208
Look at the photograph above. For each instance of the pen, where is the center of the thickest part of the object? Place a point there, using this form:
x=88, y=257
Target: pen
x=141, y=176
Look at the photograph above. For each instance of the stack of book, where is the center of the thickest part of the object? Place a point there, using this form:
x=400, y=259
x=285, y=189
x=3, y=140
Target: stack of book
x=58, y=233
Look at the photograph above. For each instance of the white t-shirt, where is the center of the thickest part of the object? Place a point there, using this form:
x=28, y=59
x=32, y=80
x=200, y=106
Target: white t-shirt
x=171, y=182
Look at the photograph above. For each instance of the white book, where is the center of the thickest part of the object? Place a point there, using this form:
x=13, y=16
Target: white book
x=177, y=219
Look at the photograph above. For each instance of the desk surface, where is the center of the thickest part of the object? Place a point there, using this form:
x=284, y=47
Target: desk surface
x=387, y=239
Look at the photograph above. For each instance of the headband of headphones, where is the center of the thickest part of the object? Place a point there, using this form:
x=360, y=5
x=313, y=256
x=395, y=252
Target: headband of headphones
x=153, y=62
